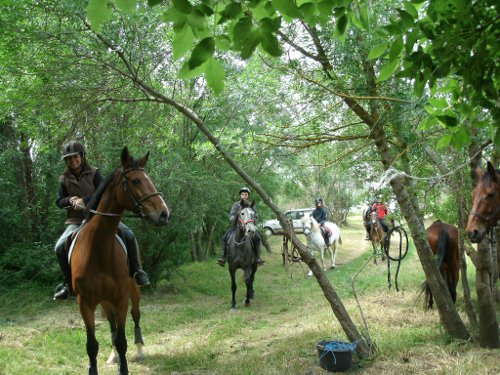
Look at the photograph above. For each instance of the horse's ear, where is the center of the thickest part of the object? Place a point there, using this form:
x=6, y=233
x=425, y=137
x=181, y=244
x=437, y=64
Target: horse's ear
x=143, y=160
x=492, y=172
x=126, y=158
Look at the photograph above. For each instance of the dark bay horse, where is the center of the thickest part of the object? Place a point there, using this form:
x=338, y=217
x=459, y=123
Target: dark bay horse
x=99, y=267
x=377, y=234
x=485, y=211
x=240, y=252
x=443, y=240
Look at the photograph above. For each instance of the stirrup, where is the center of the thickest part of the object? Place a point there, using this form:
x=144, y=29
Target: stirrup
x=221, y=262
x=141, y=278
x=62, y=292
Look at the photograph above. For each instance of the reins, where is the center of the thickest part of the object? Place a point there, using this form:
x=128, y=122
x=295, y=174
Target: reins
x=137, y=201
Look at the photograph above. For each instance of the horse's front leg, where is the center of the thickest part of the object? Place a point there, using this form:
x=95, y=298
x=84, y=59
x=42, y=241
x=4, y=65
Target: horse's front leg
x=121, y=339
x=333, y=251
x=233, y=288
x=87, y=313
x=322, y=256
x=135, y=298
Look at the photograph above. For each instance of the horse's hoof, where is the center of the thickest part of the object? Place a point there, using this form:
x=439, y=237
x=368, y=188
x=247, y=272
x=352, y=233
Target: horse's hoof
x=233, y=310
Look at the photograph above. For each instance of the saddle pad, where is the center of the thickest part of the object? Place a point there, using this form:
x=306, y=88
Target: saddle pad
x=70, y=252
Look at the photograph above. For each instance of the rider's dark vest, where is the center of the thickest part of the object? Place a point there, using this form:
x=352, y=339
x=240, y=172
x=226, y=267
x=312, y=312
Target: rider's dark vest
x=81, y=186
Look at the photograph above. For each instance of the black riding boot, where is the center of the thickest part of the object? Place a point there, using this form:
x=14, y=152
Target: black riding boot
x=65, y=290
x=222, y=260
x=256, y=249
x=140, y=277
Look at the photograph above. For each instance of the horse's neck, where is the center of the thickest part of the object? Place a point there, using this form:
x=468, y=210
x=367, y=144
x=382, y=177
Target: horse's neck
x=108, y=205
x=238, y=234
x=315, y=225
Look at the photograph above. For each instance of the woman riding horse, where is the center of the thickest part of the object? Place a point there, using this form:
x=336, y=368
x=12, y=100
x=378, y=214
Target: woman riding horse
x=76, y=186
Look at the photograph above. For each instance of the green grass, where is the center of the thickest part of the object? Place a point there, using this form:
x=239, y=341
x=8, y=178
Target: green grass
x=188, y=326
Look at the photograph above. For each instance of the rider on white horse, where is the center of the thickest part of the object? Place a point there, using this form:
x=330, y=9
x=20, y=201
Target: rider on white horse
x=320, y=214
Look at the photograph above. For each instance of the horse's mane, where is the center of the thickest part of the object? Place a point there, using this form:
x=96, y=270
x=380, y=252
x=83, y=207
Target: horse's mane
x=96, y=197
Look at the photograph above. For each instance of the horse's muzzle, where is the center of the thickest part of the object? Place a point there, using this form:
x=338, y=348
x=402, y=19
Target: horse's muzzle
x=164, y=216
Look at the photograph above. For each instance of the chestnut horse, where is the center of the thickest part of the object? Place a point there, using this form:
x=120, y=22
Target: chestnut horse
x=443, y=240
x=99, y=267
x=377, y=236
x=485, y=211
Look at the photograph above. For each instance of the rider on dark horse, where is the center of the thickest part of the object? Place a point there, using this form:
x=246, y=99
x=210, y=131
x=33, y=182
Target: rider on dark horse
x=76, y=186
x=233, y=214
x=320, y=214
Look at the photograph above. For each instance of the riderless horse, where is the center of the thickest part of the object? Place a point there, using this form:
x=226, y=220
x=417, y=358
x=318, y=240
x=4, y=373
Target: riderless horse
x=443, y=240
x=485, y=211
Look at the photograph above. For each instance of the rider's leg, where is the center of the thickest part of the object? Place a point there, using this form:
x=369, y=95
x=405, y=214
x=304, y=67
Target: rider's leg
x=222, y=260
x=385, y=227
x=62, y=259
x=256, y=249
x=136, y=271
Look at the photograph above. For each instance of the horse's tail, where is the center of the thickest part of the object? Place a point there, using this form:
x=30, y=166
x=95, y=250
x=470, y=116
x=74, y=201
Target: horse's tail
x=426, y=291
x=442, y=246
x=340, y=239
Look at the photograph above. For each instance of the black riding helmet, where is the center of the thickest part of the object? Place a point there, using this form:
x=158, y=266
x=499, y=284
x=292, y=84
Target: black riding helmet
x=72, y=148
x=244, y=189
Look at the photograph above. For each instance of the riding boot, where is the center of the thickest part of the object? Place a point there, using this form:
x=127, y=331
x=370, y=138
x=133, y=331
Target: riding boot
x=222, y=260
x=64, y=289
x=140, y=277
x=256, y=249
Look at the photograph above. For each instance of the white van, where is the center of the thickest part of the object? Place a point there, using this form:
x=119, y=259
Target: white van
x=274, y=227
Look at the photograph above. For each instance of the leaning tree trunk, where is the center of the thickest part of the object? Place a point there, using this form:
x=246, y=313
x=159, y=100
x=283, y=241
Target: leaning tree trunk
x=411, y=212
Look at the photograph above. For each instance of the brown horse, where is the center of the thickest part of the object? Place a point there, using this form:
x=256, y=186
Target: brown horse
x=100, y=273
x=443, y=240
x=377, y=235
x=485, y=211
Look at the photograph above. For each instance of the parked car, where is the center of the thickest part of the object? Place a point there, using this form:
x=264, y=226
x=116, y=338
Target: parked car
x=274, y=227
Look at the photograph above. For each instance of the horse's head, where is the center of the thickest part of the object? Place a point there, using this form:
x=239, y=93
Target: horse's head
x=139, y=193
x=246, y=218
x=306, y=225
x=373, y=219
x=485, y=204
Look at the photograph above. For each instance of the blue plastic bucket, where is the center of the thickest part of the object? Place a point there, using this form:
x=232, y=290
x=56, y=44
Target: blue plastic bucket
x=335, y=356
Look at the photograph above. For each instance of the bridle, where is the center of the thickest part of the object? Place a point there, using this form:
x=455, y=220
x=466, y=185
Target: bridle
x=486, y=218
x=241, y=224
x=137, y=201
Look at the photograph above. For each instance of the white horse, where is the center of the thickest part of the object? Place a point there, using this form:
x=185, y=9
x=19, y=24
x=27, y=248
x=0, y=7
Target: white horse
x=315, y=239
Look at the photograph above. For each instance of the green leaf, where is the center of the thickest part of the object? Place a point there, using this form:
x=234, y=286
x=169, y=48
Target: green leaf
x=377, y=51
x=250, y=45
x=98, y=13
x=222, y=42
x=308, y=11
x=388, y=70
x=444, y=141
x=425, y=124
x=215, y=75
x=438, y=103
x=152, y=3
x=197, y=20
x=241, y=31
x=396, y=48
x=270, y=44
x=174, y=15
x=448, y=120
x=186, y=73
x=126, y=5
x=287, y=7
x=411, y=9
x=183, y=41
x=232, y=11
x=342, y=24
x=183, y=6
x=202, y=52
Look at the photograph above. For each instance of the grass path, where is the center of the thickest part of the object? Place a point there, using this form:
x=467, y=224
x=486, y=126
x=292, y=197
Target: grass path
x=189, y=328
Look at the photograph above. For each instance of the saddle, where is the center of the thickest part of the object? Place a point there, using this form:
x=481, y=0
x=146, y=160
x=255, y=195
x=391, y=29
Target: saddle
x=70, y=242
